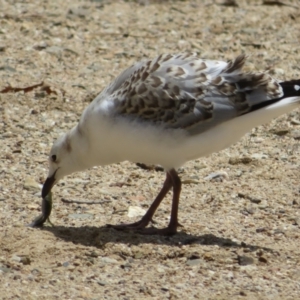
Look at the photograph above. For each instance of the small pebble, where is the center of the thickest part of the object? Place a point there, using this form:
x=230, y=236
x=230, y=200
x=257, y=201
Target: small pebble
x=217, y=176
x=245, y=260
x=194, y=262
x=135, y=211
x=31, y=184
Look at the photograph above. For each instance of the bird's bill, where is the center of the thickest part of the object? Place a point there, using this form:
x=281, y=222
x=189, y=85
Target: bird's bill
x=48, y=184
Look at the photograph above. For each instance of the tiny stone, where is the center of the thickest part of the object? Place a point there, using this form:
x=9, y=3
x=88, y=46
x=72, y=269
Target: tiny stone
x=280, y=132
x=263, y=229
x=16, y=258
x=40, y=46
x=81, y=216
x=254, y=200
x=295, y=275
x=31, y=184
x=250, y=210
x=79, y=12
x=193, y=262
x=240, y=160
x=55, y=50
x=277, y=71
x=7, y=68
x=109, y=260
x=34, y=112
x=259, y=156
x=66, y=264
x=126, y=266
x=35, y=272
x=295, y=121
x=25, y=260
x=217, y=176
x=53, y=281
x=262, y=259
x=190, y=180
x=139, y=255
x=135, y=211
x=245, y=260
x=5, y=270
x=93, y=254
x=30, y=277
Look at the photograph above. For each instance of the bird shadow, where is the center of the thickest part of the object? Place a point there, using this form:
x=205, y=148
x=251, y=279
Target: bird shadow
x=99, y=236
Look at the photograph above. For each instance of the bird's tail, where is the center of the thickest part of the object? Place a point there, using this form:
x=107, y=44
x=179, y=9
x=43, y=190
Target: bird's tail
x=291, y=88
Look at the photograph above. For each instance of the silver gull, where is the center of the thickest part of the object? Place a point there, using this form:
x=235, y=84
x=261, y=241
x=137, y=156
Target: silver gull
x=167, y=111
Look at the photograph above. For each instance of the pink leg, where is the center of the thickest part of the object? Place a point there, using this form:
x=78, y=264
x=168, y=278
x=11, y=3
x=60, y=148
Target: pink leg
x=172, y=179
x=172, y=227
x=147, y=218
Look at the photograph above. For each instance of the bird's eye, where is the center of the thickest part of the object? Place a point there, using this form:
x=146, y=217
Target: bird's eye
x=53, y=158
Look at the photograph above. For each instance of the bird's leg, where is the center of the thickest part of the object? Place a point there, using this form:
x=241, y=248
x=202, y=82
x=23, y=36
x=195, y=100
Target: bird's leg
x=173, y=224
x=147, y=218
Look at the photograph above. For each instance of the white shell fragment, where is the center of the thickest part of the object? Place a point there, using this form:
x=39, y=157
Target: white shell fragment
x=135, y=211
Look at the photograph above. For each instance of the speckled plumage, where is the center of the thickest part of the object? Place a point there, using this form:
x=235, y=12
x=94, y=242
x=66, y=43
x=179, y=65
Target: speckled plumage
x=184, y=91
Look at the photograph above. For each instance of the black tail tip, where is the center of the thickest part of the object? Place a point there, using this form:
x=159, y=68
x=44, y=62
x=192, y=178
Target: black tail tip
x=291, y=88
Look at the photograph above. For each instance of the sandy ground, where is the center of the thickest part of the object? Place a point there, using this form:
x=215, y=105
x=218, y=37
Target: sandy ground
x=240, y=238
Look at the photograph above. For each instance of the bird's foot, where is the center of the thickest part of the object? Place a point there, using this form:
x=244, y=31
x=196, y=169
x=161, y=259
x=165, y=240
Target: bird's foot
x=132, y=226
x=170, y=230
x=140, y=227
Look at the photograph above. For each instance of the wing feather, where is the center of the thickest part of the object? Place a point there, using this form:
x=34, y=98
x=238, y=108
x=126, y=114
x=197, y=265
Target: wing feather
x=186, y=92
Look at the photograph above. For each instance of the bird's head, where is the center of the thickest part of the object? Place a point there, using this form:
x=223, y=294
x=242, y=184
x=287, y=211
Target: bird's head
x=62, y=161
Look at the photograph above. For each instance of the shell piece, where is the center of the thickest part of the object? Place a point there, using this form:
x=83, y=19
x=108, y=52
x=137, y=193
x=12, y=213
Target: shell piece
x=46, y=211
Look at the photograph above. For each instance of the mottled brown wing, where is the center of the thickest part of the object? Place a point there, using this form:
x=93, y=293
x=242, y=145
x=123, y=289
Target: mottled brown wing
x=184, y=91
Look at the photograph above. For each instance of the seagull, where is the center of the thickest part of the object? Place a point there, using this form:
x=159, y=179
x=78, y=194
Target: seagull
x=167, y=111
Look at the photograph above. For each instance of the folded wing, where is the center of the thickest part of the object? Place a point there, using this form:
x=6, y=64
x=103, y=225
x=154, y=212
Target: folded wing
x=184, y=91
